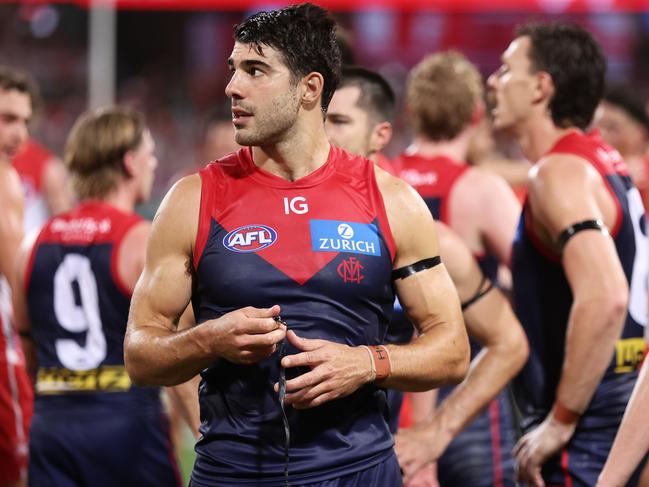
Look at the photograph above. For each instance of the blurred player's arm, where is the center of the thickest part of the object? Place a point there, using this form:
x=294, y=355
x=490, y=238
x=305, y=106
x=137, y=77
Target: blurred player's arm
x=499, y=215
x=563, y=192
x=632, y=439
x=439, y=355
x=56, y=187
x=21, y=313
x=155, y=351
x=11, y=222
x=185, y=395
x=491, y=321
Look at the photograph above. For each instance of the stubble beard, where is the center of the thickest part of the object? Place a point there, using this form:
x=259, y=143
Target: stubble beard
x=272, y=123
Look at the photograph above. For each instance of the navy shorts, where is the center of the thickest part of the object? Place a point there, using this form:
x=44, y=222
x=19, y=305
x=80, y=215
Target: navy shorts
x=580, y=463
x=70, y=450
x=481, y=455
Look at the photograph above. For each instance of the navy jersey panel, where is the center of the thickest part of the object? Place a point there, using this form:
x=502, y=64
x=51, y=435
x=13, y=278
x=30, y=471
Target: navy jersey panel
x=78, y=312
x=543, y=299
x=320, y=248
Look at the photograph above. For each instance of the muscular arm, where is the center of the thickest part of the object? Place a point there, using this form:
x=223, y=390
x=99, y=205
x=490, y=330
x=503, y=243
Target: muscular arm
x=56, y=188
x=440, y=353
x=632, y=439
x=21, y=313
x=155, y=351
x=562, y=193
x=565, y=190
x=491, y=321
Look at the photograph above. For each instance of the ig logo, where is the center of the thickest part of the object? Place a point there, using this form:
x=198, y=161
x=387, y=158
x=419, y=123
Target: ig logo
x=297, y=205
x=345, y=231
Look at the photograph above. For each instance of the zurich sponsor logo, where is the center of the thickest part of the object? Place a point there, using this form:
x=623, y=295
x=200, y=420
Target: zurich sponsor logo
x=250, y=238
x=349, y=237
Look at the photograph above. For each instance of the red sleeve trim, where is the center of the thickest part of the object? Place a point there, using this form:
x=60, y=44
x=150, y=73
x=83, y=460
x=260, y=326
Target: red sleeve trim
x=119, y=235
x=205, y=213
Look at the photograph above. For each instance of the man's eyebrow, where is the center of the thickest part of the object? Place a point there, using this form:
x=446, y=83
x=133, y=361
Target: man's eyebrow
x=250, y=63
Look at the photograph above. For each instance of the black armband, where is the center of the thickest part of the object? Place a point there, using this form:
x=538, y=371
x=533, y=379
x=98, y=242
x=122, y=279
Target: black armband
x=479, y=293
x=575, y=228
x=409, y=270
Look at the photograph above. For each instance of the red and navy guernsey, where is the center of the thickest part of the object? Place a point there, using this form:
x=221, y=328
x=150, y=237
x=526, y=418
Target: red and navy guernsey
x=543, y=299
x=321, y=248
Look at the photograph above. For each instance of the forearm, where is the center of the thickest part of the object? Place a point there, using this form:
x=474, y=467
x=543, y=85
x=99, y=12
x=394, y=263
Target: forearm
x=185, y=396
x=422, y=406
x=156, y=356
x=489, y=373
x=632, y=439
x=438, y=357
x=593, y=328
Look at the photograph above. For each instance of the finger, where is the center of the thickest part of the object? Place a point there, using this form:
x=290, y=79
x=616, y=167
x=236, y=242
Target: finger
x=257, y=326
x=519, y=445
x=253, y=342
x=304, y=344
x=305, y=359
x=537, y=477
x=313, y=396
x=253, y=312
x=308, y=379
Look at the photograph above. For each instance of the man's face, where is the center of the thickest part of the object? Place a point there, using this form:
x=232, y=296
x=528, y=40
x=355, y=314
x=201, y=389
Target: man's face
x=265, y=101
x=145, y=164
x=620, y=130
x=347, y=125
x=15, y=114
x=513, y=86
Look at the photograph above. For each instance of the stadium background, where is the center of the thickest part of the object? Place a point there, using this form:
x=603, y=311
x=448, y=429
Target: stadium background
x=167, y=57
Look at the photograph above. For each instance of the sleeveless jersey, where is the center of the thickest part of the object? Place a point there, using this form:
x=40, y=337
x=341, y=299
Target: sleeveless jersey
x=78, y=309
x=321, y=248
x=543, y=299
x=30, y=163
x=434, y=179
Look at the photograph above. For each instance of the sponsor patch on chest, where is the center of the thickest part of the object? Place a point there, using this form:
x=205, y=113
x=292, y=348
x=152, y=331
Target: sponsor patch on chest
x=349, y=237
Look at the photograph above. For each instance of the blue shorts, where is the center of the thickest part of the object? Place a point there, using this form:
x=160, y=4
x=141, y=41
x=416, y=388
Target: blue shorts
x=384, y=474
x=481, y=455
x=580, y=463
x=70, y=450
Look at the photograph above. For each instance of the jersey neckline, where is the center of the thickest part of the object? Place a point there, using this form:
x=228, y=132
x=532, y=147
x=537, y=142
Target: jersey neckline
x=273, y=180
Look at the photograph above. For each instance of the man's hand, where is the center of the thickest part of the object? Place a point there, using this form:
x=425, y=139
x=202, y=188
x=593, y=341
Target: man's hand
x=336, y=371
x=536, y=447
x=246, y=335
x=425, y=477
x=419, y=447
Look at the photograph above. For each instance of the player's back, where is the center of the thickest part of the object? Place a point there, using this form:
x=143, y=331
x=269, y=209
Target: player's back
x=543, y=299
x=78, y=309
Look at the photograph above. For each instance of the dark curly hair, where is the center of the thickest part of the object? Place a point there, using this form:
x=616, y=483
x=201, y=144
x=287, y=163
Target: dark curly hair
x=305, y=35
x=577, y=65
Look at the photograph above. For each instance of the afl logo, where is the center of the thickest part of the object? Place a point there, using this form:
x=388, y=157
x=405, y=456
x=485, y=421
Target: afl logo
x=250, y=238
x=345, y=231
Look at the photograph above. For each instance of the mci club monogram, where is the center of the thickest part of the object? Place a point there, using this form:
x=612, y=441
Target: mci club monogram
x=350, y=270
x=349, y=237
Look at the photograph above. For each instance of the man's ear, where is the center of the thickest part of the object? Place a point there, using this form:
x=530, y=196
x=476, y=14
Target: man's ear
x=313, y=85
x=544, y=87
x=130, y=167
x=380, y=136
x=478, y=113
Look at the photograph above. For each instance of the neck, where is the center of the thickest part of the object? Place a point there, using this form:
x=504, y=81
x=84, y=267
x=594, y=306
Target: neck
x=537, y=137
x=123, y=197
x=302, y=150
x=455, y=148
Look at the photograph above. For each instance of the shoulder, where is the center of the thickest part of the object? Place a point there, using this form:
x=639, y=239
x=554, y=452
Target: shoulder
x=11, y=192
x=559, y=172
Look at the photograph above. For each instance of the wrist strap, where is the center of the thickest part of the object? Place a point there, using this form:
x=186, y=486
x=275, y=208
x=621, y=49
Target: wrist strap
x=381, y=365
x=564, y=415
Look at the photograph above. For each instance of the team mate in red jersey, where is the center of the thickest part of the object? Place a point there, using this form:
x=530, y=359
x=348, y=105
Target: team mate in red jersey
x=16, y=101
x=91, y=426
x=45, y=184
x=579, y=259
x=353, y=123
x=444, y=97
x=294, y=225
